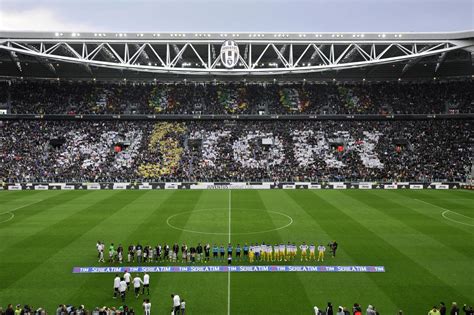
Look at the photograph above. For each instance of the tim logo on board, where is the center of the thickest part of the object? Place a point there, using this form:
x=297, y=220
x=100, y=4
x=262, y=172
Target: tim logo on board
x=229, y=54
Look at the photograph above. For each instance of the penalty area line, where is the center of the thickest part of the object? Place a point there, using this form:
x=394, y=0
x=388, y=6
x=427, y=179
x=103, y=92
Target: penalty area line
x=443, y=214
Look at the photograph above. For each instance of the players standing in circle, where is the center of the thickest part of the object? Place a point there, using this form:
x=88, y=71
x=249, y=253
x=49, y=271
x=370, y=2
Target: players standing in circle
x=321, y=250
x=137, y=282
x=333, y=247
x=304, y=249
x=146, y=284
x=147, y=307
x=116, y=285
x=312, y=250
x=128, y=278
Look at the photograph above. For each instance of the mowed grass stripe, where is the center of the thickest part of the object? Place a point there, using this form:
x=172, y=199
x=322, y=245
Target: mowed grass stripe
x=62, y=233
x=320, y=224
x=34, y=218
x=405, y=214
x=438, y=244
x=269, y=293
x=9, y=196
x=464, y=206
x=406, y=281
x=215, y=284
x=129, y=226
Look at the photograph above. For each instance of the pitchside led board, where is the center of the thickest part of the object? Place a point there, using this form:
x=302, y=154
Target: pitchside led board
x=229, y=54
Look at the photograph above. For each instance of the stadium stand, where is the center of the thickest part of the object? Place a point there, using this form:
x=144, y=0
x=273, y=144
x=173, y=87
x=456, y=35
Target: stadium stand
x=405, y=150
x=26, y=97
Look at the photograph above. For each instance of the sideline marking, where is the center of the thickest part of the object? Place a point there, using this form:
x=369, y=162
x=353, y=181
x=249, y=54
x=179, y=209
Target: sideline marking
x=229, y=269
x=222, y=233
x=12, y=215
x=443, y=214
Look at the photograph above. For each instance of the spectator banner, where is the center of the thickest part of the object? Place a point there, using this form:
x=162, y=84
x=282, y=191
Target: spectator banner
x=416, y=186
x=187, y=269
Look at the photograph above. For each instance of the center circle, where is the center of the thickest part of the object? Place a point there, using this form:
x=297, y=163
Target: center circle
x=6, y=216
x=216, y=221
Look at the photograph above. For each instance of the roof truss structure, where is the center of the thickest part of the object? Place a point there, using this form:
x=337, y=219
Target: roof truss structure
x=256, y=57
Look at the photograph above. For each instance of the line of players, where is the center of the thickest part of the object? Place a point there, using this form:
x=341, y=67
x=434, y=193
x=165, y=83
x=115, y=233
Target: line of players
x=252, y=253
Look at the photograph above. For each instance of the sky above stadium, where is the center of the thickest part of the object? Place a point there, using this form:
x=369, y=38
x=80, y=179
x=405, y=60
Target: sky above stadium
x=238, y=15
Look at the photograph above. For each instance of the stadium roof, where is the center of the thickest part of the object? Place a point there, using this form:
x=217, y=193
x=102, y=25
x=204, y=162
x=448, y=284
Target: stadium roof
x=236, y=56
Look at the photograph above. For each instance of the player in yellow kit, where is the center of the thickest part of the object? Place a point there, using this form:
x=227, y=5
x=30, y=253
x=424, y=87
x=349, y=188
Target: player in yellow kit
x=312, y=249
x=269, y=253
x=321, y=250
x=251, y=254
x=276, y=252
x=288, y=251
x=304, y=250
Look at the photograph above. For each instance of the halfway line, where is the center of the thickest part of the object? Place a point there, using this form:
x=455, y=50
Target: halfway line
x=228, y=272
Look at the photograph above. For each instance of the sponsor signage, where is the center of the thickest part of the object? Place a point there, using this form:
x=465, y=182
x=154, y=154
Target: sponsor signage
x=41, y=187
x=93, y=186
x=365, y=186
x=390, y=186
x=339, y=186
x=14, y=187
x=416, y=186
x=441, y=186
x=191, y=269
x=120, y=186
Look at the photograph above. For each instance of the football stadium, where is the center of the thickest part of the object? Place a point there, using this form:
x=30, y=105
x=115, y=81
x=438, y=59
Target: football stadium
x=236, y=173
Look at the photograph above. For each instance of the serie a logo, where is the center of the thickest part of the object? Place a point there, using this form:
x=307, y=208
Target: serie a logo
x=229, y=54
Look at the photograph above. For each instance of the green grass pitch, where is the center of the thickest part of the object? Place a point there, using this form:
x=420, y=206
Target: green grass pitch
x=427, y=250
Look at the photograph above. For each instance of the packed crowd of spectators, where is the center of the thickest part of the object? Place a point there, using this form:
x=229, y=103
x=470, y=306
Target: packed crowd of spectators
x=25, y=97
x=37, y=151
